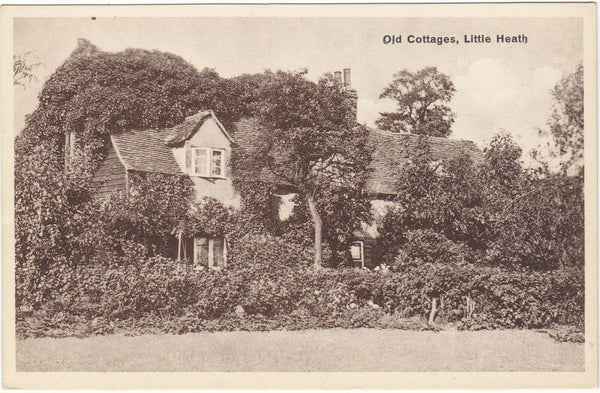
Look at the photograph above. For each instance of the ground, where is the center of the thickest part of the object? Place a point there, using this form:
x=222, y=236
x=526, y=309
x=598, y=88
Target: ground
x=308, y=350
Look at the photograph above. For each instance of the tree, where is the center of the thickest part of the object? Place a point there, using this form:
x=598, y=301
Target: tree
x=305, y=138
x=539, y=214
x=24, y=67
x=566, y=122
x=535, y=217
x=437, y=203
x=421, y=98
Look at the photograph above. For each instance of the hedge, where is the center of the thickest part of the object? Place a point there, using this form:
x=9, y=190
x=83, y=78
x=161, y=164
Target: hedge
x=270, y=285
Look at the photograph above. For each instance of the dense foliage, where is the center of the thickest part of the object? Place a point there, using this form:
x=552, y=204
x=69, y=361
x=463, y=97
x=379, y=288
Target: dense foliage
x=443, y=197
x=159, y=295
x=94, y=93
x=497, y=213
x=566, y=123
x=115, y=230
x=308, y=141
x=452, y=217
x=421, y=98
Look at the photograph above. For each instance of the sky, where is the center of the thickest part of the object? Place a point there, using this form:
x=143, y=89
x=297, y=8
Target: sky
x=499, y=86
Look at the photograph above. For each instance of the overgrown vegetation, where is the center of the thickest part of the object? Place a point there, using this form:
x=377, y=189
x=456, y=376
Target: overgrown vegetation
x=481, y=246
x=306, y=139
x=158, y=295
x=497, y=213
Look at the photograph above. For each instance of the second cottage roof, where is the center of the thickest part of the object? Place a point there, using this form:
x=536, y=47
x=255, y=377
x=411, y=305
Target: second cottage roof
x=392, y=150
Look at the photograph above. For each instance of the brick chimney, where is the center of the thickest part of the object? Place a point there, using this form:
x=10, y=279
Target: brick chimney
x=347, y=83
x=352, y=94
x=338, y=76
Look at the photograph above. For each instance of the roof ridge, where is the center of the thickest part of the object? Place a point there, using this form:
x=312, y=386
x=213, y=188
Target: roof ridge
x=182, y=131
x=396, y=134
x=200, y=114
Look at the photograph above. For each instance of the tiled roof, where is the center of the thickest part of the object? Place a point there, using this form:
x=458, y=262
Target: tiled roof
x=392, y=150
x=152, y=150
x=182, y=132
x=145, y=151
x=149, y=151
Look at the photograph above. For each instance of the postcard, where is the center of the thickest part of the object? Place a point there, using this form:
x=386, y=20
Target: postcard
x=331, y=196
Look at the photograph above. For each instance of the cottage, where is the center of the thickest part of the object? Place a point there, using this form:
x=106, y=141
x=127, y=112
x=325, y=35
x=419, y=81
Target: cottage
x=200, y=148
x=392, y=151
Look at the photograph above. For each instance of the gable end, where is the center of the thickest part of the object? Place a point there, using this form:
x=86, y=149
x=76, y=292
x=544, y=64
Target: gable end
x=183, y=132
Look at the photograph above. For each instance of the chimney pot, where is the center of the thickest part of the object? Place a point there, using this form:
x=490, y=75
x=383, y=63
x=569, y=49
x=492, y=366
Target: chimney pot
x=338, y=76
x=347, y=77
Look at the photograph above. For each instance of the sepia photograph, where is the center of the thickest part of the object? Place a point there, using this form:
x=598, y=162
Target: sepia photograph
x=269, y=189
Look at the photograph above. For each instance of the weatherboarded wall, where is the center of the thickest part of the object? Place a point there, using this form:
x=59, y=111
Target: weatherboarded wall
x=111, y=176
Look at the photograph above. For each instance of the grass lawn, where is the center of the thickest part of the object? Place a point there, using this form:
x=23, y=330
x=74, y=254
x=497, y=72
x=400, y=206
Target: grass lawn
x=308, y=350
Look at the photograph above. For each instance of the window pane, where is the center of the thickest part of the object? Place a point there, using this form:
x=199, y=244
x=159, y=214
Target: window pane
x=200, y=252
x=356, y=251
x=218, y=251
x=200, y=162
x=217, y=163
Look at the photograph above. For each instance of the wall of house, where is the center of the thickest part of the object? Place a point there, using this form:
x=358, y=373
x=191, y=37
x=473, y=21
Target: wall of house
x=286, y=205
x=111, y=176
x=369, y=244
x=379, y=208
x=210, y=135
x=368, y=234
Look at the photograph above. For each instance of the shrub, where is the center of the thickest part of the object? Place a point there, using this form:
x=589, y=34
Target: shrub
x=428, y=246
x=157, y=295
x=268, y=251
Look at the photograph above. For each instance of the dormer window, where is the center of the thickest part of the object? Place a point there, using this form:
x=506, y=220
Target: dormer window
x=208, y=162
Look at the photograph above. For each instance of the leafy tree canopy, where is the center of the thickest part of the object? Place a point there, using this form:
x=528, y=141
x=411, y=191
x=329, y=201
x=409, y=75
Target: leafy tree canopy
x=95, y=93
x=306, y=139
x=508, y=215
x=566, y=122
x=421, y=98
x=24, y=68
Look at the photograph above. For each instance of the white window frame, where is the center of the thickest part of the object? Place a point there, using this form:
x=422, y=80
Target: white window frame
x=209, y=154
x=222, y=174
x=210, y=243
x=362, y=252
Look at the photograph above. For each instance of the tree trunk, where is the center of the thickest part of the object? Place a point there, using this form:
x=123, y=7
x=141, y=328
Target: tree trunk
x=433, y=311
x=318, y=225
x=470, y=307
x=66, y=151
x=179, y=248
